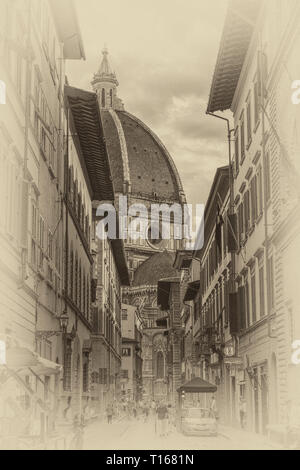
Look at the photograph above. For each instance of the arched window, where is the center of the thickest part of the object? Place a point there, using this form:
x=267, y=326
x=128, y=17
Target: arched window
x=111, y=98
x=160, y=365
x=103, y=98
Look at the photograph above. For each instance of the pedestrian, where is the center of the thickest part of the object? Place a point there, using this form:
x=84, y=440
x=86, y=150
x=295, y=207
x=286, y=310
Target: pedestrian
x=134, y=411
x=162, y=417
x=78, y=434
x=153, y=409
x=109, y=413
x=146, y=412
x=213, y=407
x=213, y=410
x=170, y=418
x=242, y=405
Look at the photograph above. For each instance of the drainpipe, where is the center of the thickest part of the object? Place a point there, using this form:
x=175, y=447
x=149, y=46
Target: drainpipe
x=229, y=131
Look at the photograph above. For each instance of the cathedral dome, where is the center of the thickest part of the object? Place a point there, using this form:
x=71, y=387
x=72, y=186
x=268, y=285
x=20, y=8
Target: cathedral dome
x=140, y=164
x=158, y=266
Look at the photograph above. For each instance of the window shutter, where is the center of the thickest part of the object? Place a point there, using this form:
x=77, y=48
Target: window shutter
x=232, y=233
x=241, y=307
x=233, y=313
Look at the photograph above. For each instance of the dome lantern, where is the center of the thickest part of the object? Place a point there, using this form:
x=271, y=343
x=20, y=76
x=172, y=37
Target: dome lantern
x=105, y=84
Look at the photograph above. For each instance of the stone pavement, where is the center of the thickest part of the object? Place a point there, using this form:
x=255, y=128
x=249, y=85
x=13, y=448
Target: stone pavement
x=127, y=434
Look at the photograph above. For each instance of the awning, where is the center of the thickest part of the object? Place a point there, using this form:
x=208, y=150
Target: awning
x=192, y=290
x=22, y=360
x=163, y=291
x=197, y=385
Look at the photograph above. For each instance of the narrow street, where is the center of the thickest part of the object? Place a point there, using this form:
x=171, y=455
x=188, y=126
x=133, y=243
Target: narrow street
x=137, y=435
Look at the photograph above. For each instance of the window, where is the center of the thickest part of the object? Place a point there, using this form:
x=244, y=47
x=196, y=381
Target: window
x=103, y=98
x=271, y=283
x=41, y=240
x=261, y=291
x=253, y=190
x=247, y=304
x=124, y=314
x=68, y=367
x=160, y=365
x=80, y=286
x=259, y=191
x=237, y=157
x=85, y=373
x=34, y=233
x=71, y=274
x=242, y=138
x=247, y=212
x=111, y=98
x=256, y=104
x=268, y=176
x=76, y=280
x=241, y=222
x=126, y=352
x=249, y=123
x=253, y=297
x=50, y=245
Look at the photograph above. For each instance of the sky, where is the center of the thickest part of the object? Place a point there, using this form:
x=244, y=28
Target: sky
x=164, y=53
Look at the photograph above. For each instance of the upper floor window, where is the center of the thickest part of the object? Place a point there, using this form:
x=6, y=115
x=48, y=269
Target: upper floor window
x=111, y=98
x=237, y=156
x=256, y=103
x=103, y=98
x=242, y=137
x=268, y=176
x=249, y=123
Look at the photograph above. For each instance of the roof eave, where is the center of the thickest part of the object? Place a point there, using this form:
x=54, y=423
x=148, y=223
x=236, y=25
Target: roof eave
x=235, y=41
x=68, y=29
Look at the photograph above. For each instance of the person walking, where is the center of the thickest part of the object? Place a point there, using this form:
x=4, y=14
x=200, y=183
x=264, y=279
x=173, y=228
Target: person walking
x=146, y=412
x=242, y=405
x=109, y=413
x=214, y=410
x=162, y=417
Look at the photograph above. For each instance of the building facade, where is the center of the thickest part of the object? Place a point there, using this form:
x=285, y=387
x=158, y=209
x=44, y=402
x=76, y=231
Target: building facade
x=265, y=182
x=34, y=48
x=132, y=367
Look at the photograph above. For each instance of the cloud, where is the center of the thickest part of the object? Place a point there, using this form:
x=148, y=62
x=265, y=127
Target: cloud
x=164, y=54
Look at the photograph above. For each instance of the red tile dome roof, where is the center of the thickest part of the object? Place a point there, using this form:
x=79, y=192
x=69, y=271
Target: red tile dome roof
x=158, y=266
x=143, y=159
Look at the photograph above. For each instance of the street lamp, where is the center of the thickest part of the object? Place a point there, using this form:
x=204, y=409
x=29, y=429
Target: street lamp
x=63, y=323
